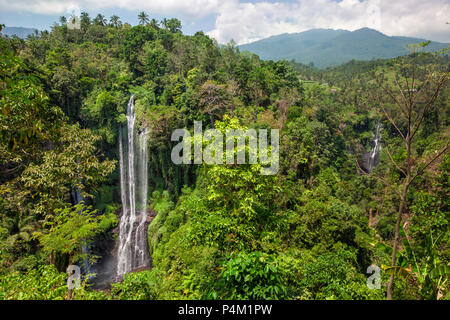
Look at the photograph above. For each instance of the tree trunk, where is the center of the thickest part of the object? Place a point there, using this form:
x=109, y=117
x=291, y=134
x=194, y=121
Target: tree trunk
x=211, y=117
x=399, y=215
x=395, y=245
x=370, y=217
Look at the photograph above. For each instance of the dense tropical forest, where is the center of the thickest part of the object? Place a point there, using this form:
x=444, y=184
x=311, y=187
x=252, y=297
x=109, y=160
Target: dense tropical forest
x=311, y=231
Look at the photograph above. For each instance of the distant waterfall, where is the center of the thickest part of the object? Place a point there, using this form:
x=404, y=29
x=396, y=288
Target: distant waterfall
x=133, y=243
x=375, y=153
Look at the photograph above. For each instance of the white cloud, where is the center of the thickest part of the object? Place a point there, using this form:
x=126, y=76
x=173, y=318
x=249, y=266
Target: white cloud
x=187, y=8
x=49, y=7
x=246, y=21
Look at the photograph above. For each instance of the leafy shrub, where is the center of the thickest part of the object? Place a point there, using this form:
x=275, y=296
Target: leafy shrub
x=25, y=263
x=254, y=275
x=136, y=286
x=333, y=276
x=43, y=283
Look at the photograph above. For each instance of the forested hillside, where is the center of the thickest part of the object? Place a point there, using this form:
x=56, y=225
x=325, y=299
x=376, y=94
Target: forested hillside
x=337, y=205
x=327, y=47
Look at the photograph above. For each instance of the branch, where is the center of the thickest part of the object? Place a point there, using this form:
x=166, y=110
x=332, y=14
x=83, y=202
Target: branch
x=395, y=163
x=423, y=86
x=392, y=121
x=406, y=79
x=441, y=82
x=413, y=79
x=421, y=170
x=404, y=98
x=394, y=98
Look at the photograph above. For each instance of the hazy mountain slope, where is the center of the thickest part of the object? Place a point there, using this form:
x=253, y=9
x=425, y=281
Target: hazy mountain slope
x=326, y=47
x=18, y=31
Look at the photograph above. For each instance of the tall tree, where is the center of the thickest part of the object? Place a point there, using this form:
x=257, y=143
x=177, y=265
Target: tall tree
x=154, y=24
x=173, y=25
x=405, y=101
x=100, y=20
x=143, y=18
x=115, y=21
x=165, y=23
x=85, y=20
x=214, y=98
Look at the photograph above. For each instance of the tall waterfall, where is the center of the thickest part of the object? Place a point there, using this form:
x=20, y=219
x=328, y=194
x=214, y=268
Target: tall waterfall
x=133, y=243
x=374, y=154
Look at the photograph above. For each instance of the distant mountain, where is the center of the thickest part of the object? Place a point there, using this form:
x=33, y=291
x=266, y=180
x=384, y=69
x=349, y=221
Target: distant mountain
x=18, y=31
x=327, y=47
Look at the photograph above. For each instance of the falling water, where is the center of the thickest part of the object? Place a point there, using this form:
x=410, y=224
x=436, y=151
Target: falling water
x=141, y=234
x=133, y=245
x=374, y=154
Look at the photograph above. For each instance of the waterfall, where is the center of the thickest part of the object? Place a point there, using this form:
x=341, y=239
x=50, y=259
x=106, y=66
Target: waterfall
x=374, y=154
x=133, y=243
x=141, y=234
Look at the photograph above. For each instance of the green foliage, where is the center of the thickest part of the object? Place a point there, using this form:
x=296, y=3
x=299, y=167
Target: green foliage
x=43, y=283
x=156, y=233
x=136, y=286
x=309, y=146
x=25, y=115
x=220, y=231
x=250, y=276
x=69, y=230
x=430, y=272
x=326, y=47
x=333, y=276
x=42, y=158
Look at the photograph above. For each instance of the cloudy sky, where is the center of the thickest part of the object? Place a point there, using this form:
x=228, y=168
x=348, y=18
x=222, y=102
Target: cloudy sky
x=250, y=20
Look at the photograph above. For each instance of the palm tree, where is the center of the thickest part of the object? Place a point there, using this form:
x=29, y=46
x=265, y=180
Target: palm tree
x=62, y=20
x=85, y=20
x=143, y=18
x=154, y=24
x=84, y=17
x=165, y=23
x=100, y=20
x=115, y=22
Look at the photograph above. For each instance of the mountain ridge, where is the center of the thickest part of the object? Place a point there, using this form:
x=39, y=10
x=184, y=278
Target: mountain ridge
x=329, y=47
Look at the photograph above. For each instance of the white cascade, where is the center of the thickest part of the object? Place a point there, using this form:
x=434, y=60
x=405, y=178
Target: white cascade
x=374, y=154
x=133, y=244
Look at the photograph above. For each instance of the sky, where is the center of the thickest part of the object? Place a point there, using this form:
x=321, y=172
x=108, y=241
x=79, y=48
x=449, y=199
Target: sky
x=250, y=20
